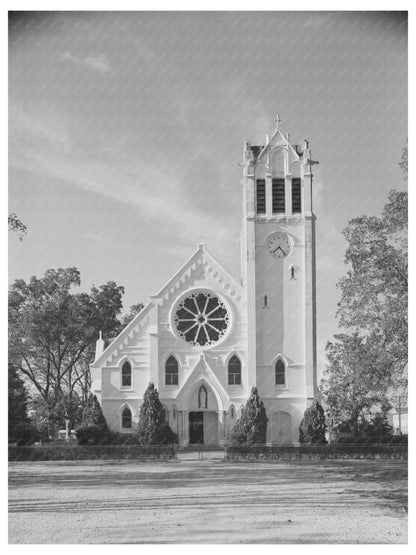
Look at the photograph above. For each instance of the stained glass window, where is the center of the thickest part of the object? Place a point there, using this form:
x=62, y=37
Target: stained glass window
x=201, y=319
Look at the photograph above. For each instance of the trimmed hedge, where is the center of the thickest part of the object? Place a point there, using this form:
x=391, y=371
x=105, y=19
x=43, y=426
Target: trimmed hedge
x=317, y=451
x=91, y=452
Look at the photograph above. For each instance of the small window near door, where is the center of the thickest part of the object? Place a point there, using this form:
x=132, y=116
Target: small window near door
x=126, y=419
x=126, y=375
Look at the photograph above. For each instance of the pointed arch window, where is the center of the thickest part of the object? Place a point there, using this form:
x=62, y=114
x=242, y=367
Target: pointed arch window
x=126, y=419
x=234, y=371
x=280, y=373
x=126, y=374
x=171, y=371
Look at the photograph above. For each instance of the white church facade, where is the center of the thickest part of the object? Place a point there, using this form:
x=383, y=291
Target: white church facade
x=205, y=339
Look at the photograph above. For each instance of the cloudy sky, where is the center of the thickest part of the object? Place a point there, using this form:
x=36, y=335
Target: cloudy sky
x=126, y=131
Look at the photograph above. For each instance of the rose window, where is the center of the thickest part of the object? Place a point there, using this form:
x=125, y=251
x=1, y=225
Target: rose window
x=201, y=319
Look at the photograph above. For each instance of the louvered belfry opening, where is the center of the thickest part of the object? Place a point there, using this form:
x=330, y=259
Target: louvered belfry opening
x=296, y=196
x=261, y=196
x=278, y=193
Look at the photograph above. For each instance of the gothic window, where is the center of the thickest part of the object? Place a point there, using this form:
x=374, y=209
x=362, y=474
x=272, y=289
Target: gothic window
x=234, y=371
x=202, y=398
x=126, y=375
x=296, y=195
x=261, y=196
x=126, y=418
x=278, y=192
x=171, y=371
x=280, y=373
x=201, y=319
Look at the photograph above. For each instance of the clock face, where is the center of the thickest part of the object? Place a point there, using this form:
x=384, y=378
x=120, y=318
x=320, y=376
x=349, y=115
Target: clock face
x=279, y=244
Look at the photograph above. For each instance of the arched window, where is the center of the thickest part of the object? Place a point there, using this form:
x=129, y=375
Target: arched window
x=280, y=373
x=126, y=375
x=234, y=371
x=126, y=418
x=171, y=371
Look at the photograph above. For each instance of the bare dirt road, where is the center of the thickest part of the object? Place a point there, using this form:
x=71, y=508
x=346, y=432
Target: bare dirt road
x=208, y=501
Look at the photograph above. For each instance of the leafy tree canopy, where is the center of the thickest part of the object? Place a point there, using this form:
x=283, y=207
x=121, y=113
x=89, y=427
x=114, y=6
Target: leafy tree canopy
x=352, y=382
x=17, y=401
x=16, y=225
x=52, y=330
x=374, y=293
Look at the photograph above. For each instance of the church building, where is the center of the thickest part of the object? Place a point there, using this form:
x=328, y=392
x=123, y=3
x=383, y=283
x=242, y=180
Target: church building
x=205, y=338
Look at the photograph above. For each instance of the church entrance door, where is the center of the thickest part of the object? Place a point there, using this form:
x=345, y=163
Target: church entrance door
x=196, y=427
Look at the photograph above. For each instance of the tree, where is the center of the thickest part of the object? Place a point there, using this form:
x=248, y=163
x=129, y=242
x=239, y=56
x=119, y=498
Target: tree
x=94, y=428
x=92, y=414
x=374, y=293
x=153, y=428
x=313, y=426
x=17, y=401
x=352, y=383
x=134, y=310
x=251, y=427
x=16, y=225
x=52, y=332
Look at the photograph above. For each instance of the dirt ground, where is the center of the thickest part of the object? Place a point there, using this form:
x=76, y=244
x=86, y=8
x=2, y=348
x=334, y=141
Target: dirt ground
x=209, y=501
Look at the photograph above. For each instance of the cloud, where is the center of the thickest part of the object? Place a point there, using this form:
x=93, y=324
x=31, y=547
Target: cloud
x=98, y=63
x=48, y=129
x=33, y=139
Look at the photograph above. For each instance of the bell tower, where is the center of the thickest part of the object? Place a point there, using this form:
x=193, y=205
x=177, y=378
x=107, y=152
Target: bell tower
x=278, y=272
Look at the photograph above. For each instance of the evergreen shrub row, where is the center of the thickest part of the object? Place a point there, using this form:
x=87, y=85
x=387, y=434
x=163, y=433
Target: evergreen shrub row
x=91, y=452
x=317, y=451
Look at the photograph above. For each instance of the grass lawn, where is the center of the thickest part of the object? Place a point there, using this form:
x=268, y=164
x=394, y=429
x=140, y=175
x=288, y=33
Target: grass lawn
x=209, y=501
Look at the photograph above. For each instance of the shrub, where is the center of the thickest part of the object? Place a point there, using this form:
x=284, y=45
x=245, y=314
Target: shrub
x=251, y=427
x=152, y=417
x=25, y=433
x=91, y=452
x=91, y=435
x=167, y=436
x=93, y=429
x=313, y=427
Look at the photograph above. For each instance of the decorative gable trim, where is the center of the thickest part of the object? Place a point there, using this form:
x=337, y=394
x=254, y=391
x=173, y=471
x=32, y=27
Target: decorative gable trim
x=139, y=321
x=286, y=142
